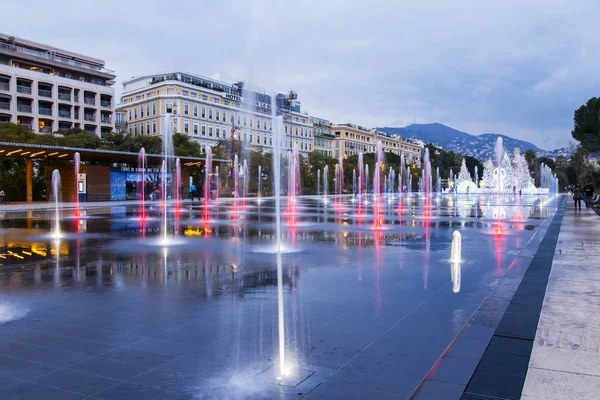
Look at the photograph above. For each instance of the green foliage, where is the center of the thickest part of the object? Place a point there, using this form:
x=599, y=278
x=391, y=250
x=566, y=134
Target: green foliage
x=586, y=128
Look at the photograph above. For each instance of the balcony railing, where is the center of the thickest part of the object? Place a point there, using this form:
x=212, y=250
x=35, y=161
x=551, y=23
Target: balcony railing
x=105, y=120
x=4, y=86
x=64, y=114
x=89, y=117
x=29, y=126
x=106, y=104
x=50, y=56
x=46, y=129
x=89, y=101
x=64, y=96
x=90, y=131
x=45, y=111
x=76, y=116
x=23, y=89
x=4, y=106
x=44, y=93
x=24, y=108
x=76, y=99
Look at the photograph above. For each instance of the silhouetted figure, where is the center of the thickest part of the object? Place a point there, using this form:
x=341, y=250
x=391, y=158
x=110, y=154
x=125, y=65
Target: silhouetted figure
x=577, y=196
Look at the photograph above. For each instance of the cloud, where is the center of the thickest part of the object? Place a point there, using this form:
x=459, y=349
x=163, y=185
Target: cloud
x=515, y=67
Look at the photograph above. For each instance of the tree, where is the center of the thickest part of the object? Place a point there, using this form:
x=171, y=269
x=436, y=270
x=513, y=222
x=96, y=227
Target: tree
x=587, y=125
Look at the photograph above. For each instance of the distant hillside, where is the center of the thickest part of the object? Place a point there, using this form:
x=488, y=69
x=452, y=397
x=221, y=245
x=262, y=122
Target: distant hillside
x=479, y=146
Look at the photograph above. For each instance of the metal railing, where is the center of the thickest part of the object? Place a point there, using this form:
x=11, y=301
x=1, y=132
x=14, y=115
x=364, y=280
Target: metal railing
x=89, y=117
x=50, y=56
x=64, y=96
x=104, y=103
x=4, y=106
x=24, y=89
x=76, y=99
x=89, y=101
x=4, y=86
x=105, y=120
x=45, y=111
x=64, y=114
x=76, y=116
x=91, y=132
x=29, y=126
x=46, y=129
x=44, y=93
x=24, y=108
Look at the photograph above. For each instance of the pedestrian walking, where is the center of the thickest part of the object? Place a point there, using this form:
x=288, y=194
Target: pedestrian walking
x=588, y=193
x=192, y=191
x=3, y=197
x=577, y=196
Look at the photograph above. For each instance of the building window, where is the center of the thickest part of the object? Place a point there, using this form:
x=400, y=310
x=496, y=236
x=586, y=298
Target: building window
x=135, y=130
x=217, y=115
x=170, y=90
x=195, y=128
x=195, y=110
x=153, y=126
x=204, y=97
x=257, y=138
x=250, y=122
x=194, y=95
x=265, y=139
x=238, y=120
x=169, y=107
x=218, y=132
x=135, y=113
x=210, y=130
x=147, y=128
x=153, y=108
x=203, y=130
x=210, y=113
x=250, y=137
x=130, y=115
x=224, y=116
x=147, y=109
x=184, y=92
x=186, y=108
x=245, y=120
x=203, y=112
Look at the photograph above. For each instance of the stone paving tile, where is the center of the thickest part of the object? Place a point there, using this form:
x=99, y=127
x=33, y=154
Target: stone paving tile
x=433, y=390
x=32, y=391
x=565, y=359
x=76, y=382
x=18, y=368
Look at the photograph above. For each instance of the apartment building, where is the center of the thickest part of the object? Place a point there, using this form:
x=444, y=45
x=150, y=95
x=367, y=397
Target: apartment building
x=210, y=110
x=48, y=89
x=324, y=136
x=352, y=139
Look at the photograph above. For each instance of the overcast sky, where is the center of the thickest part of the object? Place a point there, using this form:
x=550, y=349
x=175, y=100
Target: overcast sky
x=515, y=67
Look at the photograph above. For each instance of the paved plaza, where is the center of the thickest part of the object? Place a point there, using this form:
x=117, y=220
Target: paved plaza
x=107, y=314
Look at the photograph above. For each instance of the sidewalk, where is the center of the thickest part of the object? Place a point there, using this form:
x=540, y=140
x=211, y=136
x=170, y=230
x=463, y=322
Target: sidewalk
x=565, y=360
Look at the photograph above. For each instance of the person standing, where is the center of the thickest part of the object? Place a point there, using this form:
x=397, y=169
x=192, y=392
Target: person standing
x=588, y=193
x=577, y=195
x=192, y=191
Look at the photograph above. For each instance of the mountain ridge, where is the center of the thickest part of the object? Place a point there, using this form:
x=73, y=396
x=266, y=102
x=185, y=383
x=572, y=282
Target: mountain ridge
x=478, y=146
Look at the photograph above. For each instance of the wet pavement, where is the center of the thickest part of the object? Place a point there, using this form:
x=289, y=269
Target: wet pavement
x=108, y=312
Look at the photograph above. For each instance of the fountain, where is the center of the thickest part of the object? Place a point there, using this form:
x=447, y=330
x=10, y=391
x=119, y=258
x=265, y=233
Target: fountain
x=279, y=138
x=55, y=197
x=236, y=174
x=438, y=181
x=456, y=249
x=339, y=176
x=354, y=182
x=361, y=173
x=177, y=187
x=409, y=180
x=76, y=164
x=401, y=180
x=259, y=183
x=246, y=179
x=427, y=179
x=216, y=183
x=208, y=175
x=325, y=182
x=163, y=189
x=318, y=182
x=456, y=260
x=367, y=179
x=142, y=164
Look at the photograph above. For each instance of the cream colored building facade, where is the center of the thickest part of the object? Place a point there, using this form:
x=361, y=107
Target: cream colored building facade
x=209, y=110
x=48, y=89
x=352, y=139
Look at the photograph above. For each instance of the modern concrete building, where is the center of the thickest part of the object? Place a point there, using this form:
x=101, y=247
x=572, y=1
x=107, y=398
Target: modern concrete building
x=352, y=139
x=323, y=136
x=49, y=89
x=210, y=110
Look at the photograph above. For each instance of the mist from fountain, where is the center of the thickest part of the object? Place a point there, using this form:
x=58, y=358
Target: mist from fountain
x=367, y=179
x=339, y=176
x=318, y=182
x=164, y=205
x=354, y=182
x=259, y=184
x=246, y=174
x=208, y=175
x=455, y=261
x=216, y=183
x=55, y=196
x=438, y=181
x=476, y=176
x=177, y=186
x=408, y=180
x=427, y=178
